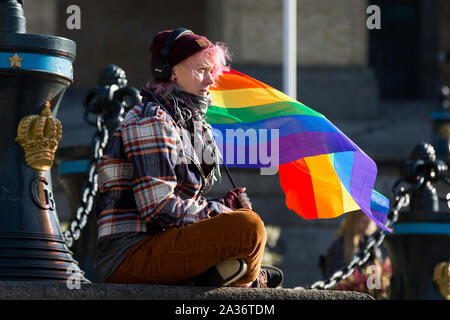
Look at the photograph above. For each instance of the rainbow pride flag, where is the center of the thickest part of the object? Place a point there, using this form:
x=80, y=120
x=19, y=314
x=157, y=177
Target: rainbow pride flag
x=322, y=172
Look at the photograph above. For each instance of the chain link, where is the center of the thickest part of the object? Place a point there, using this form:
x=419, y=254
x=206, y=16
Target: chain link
x=402, y=199
x=100, y=140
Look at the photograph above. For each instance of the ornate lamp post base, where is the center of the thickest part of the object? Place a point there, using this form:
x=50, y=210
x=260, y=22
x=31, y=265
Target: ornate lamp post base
x=35, y=71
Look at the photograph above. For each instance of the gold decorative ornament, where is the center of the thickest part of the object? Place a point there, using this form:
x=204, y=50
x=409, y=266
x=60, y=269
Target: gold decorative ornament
x=441, y=276
x=444, y=131
x=39, y=136
x=15, y=61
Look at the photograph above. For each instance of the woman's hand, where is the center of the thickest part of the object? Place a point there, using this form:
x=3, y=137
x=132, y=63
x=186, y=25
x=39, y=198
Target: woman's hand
x=237, y=198
x=245, y=200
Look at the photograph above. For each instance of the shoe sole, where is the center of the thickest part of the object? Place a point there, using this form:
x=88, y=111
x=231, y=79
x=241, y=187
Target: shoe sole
x=236, y=276
x=222, y=274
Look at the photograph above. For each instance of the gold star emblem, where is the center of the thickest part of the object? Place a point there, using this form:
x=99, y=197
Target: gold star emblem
x=15, y=61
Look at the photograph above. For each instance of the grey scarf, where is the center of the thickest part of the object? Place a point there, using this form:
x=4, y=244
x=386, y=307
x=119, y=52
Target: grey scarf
x=191, y=113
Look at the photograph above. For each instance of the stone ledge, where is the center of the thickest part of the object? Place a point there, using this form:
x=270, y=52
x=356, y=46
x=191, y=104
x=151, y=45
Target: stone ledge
x=19, y=290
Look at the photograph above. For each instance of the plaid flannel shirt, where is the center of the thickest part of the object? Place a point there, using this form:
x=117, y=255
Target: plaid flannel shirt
x=151, y=178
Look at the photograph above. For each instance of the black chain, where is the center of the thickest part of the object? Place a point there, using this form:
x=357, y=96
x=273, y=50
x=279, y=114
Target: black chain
x=90, y=188
x=402, y=199
x=109, y=103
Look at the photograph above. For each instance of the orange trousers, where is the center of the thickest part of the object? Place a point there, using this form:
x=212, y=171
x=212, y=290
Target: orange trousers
x=181, y=253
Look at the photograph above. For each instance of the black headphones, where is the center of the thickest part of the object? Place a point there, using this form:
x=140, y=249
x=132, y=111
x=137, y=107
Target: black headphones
x=161, y=67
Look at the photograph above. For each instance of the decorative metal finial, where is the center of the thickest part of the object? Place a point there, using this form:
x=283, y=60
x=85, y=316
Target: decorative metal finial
x=12, y=18
x=112, y=74
x=424, y=164
x=112, y=98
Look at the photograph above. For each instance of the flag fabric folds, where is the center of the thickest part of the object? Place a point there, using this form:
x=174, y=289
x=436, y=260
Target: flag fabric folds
x=322, y=172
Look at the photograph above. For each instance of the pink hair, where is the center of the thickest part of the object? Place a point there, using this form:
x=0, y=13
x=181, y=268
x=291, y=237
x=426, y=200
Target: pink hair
x=219, y=57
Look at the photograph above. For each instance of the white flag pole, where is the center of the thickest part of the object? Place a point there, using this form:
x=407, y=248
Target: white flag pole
x=290, y=48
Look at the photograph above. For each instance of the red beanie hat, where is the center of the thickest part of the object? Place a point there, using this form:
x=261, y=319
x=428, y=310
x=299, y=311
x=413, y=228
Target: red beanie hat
x=184, y=47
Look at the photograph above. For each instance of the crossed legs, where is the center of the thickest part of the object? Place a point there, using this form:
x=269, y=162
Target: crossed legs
x=181, y=253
